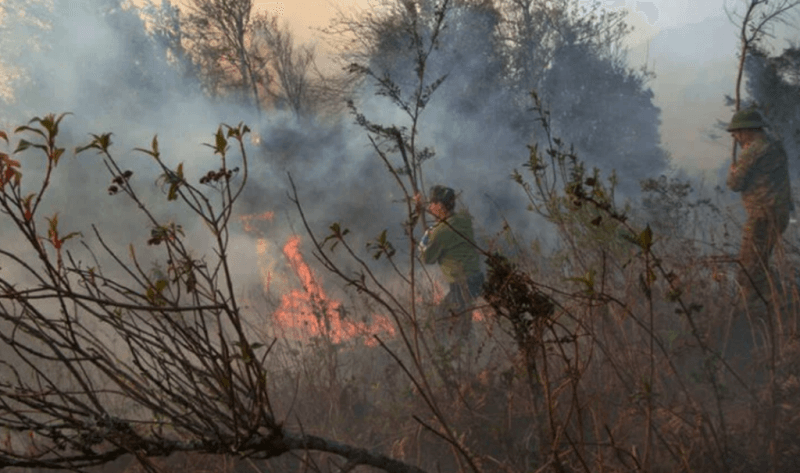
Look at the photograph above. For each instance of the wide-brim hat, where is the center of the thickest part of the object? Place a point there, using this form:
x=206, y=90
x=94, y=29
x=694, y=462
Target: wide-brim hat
x=746, y=119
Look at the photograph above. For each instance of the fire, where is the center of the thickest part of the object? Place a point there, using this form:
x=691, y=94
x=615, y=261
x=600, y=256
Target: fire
x=311, y=312
x=308, y=312
x=247, y=221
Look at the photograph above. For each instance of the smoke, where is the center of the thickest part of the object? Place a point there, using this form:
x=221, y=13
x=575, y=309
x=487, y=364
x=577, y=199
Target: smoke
x=97, y=62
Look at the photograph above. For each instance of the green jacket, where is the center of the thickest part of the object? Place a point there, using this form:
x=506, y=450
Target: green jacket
x=457, y=257
x=762, y=176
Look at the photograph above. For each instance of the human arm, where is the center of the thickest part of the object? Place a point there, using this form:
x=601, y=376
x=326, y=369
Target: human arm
x=430, y=246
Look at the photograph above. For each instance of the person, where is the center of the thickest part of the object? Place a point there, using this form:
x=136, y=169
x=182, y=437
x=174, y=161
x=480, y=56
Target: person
x=450, y=243
x=761, y=175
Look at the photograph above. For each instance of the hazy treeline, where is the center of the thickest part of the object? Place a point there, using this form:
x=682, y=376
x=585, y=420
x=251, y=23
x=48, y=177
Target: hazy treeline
x=619, y=366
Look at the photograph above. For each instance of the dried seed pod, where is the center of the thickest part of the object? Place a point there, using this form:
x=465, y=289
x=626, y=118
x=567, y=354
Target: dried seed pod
x=113, y=190
x=127, y=174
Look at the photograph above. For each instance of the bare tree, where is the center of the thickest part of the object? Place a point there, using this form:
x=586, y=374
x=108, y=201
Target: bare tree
x=291, y=65
x=533, y=31
x=165, y=21
x=103, y=362
x=219, y=32
x=755, y=25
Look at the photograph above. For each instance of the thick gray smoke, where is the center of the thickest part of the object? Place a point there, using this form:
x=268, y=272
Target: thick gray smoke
x=480, y=121
x=99, y=63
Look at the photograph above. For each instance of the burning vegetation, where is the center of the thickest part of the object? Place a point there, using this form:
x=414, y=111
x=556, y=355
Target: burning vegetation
x=623, y=346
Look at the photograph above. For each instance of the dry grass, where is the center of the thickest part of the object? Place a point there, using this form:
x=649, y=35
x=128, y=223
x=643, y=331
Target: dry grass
x=617, y=389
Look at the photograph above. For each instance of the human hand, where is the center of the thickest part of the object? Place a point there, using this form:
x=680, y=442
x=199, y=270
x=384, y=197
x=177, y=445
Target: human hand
x=423, y=242
x=418, y=200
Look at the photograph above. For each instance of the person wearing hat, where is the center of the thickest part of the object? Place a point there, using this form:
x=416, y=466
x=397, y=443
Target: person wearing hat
x=762, y=176
x=450, y=243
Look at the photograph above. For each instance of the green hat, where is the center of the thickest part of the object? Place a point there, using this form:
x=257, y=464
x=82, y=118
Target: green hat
x=744, y=119
x=443, y=194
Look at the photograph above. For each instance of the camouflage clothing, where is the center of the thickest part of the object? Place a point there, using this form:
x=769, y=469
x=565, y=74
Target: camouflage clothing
x=445, y=244
x=762, y=176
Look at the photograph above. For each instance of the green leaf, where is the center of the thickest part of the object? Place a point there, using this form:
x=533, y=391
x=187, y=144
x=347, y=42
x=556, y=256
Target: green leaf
x=22, y=146
x=58, y=120
x=53, y=224
x=71, y=234
x=105, y=141
x=154, y=145
x=48, y=122
x=101, y=143
x=27, y=128
x=161, y=284
x=151, y=295
x=57, y=154
x=222, y=142
x=646, y=238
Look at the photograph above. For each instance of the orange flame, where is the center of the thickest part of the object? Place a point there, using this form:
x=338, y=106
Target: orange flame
x=247, y=221
x=311, y=312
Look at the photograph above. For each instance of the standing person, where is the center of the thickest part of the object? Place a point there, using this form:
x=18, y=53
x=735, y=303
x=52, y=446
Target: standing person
x=762, y=176
x=450, y=243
